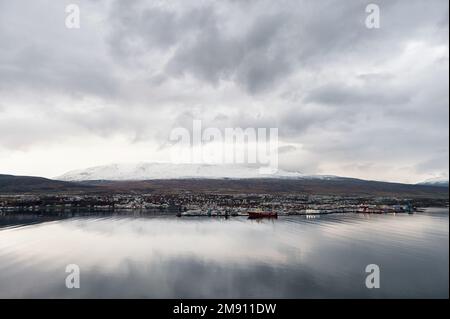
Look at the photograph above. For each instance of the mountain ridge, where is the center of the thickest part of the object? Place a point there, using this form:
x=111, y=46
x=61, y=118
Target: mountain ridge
x=436, y=182
x=340, y=187
x=25, y=184
x=161, y=171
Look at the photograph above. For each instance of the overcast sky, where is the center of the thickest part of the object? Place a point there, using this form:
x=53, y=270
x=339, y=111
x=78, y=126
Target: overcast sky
x=347, y=100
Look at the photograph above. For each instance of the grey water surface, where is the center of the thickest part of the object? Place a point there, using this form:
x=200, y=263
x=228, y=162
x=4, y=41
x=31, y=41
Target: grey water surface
x=163, y=256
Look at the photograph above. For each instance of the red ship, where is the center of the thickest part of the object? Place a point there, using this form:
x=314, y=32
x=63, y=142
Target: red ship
x=261, y=214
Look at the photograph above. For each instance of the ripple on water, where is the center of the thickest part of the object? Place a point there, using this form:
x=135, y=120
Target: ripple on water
x=165, y=256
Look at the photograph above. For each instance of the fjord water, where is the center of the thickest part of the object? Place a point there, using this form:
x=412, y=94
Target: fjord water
x=154, y=256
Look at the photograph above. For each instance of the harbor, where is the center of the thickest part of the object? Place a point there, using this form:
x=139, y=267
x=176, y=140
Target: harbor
x=186, y=204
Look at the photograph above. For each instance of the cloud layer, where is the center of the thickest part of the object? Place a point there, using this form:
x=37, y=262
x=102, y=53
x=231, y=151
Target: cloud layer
x=348, y=100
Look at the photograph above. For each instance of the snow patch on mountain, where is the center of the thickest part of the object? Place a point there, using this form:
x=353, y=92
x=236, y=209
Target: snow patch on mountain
x=437, y=181
x=149, y=171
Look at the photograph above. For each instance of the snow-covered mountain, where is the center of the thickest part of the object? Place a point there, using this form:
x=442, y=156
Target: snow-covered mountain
x=442, y=182
x=149, y=171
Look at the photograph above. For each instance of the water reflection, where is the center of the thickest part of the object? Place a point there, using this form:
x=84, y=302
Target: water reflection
x=165, y=256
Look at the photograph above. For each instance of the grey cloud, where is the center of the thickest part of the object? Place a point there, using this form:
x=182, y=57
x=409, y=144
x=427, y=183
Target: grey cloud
x=437, y=164
x=33, y=68
x=341, y=94
x=40, y=54
x=347, y=94
x=275, y=39
x=22, y=134
x=286, y=149
x=251, y=58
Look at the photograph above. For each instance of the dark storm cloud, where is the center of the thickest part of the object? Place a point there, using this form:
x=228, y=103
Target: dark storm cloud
x=259, y=45
x=255, y=46
x=201, y=44
x=251, y=59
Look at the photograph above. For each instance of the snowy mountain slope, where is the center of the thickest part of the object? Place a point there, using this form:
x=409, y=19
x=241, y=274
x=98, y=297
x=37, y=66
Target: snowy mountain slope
x=150, y=171
x=442, y=182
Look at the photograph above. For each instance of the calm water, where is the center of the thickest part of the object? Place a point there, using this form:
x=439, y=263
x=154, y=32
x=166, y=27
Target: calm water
x=163, y=256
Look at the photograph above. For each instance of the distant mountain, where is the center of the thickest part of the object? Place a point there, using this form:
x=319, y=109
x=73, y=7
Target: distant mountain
x=29, y=184
x=166, y=177
x=152, y=171
x=439, y=182
x=313, y=186
x=322, y=185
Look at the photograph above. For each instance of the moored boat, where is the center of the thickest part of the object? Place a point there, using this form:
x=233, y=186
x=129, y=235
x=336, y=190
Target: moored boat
x=262, y=214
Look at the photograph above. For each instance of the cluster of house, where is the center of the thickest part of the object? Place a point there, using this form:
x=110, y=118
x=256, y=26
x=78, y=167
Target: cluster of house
x=188, y=203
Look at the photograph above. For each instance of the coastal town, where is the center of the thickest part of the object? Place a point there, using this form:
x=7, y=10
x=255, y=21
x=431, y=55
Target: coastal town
x=212, y=204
